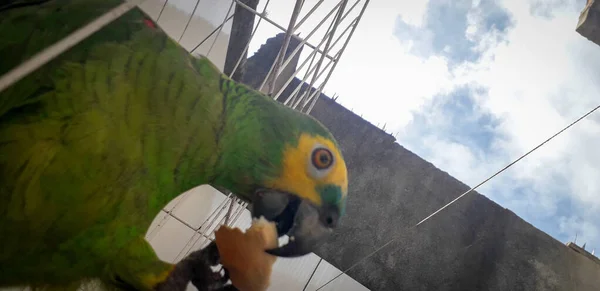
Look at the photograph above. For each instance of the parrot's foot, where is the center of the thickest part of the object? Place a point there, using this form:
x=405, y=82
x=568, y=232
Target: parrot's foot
x=205, y=278
x=140, y=269
x=196, y=268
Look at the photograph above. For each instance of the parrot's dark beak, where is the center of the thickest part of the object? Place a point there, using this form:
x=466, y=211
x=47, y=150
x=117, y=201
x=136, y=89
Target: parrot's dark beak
x=305, y=223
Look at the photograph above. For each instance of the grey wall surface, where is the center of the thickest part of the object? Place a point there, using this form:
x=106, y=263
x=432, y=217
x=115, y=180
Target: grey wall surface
x=473, y=245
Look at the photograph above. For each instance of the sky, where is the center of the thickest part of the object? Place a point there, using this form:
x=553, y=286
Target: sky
x=470, y=85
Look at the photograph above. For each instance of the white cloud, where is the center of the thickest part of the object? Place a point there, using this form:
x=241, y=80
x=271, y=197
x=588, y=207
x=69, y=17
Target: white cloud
x=585, y=231
x=539, y=79
x=471, y=166
x=377, y=69
x=532, y=78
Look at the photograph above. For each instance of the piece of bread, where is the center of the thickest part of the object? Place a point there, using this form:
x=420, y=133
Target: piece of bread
x=244, y=256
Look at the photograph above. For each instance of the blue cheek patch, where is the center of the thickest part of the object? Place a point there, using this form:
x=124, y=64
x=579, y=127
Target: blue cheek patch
x=332, y=194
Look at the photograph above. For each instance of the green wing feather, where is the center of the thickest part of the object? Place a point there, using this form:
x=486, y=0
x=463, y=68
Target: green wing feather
x=94, y=144
x=97, y=141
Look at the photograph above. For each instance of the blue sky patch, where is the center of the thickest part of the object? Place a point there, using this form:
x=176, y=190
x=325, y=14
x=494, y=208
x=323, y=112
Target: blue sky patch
x=444, y=30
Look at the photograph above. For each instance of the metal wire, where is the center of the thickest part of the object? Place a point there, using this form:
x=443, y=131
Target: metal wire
x=236, y=207
x=286, y=42
x=315, y=70
x=49, y=53
x=337, y=20
x=312, y=54
x=233, y=202
x=214, y=216
x=297, y=49
x=187, y=24
x=308, y=14
x=250, y=40
x=467, y=192
x=331, y=25
x=220, y=29
x=271, y=22
x=161, y=10
x=295, y=105
x=210, y=34
x=341, y=52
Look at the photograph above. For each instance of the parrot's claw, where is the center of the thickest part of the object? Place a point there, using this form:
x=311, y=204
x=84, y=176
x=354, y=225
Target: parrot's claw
x=203, y=276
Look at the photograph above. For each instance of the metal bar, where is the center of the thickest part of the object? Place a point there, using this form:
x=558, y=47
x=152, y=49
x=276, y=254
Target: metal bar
x=318, y=26
x=314, y=98
x=161, y=11
x=268, y=74
x=239, y=61
x=217, y=213
x=209, y=35
x=188, y=245
x=213, y=216
x=348, y=12
x=286, y=42
x=295, y=104
x=294, y=93
x=327, y=46
x=306, y=93
x=240, y=212
x=314, y=54
x=49, y=53
x=233, y=202
x=341, y=52
x=355, y=22
x=312, y=71
x=233, y=215
x=273, y=23
x=312, y=10
x=220, y=28
x=304, y=41
x=189, y=20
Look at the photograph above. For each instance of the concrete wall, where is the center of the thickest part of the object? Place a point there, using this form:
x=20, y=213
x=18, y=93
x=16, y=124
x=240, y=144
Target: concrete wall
x=588, y=25
x=473, y=245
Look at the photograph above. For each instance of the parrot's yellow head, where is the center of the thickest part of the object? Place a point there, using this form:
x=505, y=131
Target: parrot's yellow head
x=314, y=170
x=308, y=197
x=287, y=164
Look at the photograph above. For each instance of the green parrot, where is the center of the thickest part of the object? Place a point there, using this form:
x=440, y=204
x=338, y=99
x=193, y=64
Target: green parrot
x=97, y=141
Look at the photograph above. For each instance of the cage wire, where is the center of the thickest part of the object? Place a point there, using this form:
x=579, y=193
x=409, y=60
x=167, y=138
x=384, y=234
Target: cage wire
x=322, y=29
x=332, y=42
x=327, y=27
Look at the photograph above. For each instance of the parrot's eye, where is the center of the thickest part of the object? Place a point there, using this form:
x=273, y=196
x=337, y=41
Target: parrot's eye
x=322, y=158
